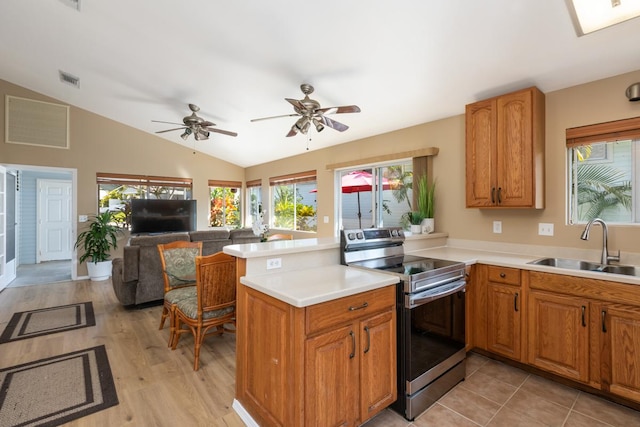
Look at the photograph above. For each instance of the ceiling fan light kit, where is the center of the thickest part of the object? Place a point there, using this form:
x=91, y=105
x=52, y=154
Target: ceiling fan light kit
x=310, y=113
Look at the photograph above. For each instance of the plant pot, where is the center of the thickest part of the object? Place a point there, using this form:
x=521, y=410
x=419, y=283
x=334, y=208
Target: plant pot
x=416, y=229
x=99, y=270
x=428, y=225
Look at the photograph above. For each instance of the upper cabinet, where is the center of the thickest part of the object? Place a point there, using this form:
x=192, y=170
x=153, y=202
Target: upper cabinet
x=505, y=151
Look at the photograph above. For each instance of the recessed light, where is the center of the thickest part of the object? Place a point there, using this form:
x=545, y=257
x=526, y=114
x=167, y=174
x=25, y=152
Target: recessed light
x=594, y=15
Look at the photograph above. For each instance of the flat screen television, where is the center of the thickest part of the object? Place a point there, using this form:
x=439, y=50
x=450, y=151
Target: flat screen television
x=162, y=216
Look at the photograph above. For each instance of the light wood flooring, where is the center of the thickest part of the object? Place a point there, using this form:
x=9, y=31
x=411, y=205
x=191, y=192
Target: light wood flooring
x=158, y=387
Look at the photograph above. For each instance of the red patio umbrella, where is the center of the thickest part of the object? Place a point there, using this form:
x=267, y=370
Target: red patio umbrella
x=359, y=181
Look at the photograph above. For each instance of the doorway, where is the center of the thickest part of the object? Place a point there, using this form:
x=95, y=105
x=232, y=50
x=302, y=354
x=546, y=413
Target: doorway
x=30, y=267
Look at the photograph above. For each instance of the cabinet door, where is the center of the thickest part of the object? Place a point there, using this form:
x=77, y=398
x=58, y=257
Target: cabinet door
x=378, y=388
x=619, y=327
x=558, y=334
x=480, y=154
x=515, y=150
x=504, y=320
x=331, y=378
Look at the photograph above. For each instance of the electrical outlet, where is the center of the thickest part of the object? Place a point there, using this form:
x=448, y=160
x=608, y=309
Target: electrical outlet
x=274, y=263
x=545, y=229
x=83, y=218
x=497, y=227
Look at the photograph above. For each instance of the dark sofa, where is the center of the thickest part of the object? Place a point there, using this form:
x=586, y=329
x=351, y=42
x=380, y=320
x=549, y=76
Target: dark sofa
x=137, y=276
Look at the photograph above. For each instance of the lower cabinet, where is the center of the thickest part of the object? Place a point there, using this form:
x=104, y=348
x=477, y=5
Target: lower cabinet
x=330, y=364
x=559, y=334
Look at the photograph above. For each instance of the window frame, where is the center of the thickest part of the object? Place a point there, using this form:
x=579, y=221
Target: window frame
x=292, y=179
x=226, y=186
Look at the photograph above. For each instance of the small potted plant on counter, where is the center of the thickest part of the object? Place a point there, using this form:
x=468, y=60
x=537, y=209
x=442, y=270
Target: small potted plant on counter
x=425, y=201
x=97, y=242
x=415, y=219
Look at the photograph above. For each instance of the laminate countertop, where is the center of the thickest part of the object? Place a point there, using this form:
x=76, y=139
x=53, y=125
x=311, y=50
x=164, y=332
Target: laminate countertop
x=302, y=288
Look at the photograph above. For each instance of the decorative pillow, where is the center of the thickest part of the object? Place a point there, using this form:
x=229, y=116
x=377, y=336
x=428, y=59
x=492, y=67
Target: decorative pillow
x=180, y=265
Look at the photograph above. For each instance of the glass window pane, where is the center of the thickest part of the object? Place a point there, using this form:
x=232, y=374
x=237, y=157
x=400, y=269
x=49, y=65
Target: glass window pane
x=225, y=207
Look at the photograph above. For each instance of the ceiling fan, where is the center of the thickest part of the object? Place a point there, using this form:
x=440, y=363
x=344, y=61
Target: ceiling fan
x=196, y=125
x=310, y=113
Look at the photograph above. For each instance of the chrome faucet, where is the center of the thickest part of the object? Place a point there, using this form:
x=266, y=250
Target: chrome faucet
x=604, y=260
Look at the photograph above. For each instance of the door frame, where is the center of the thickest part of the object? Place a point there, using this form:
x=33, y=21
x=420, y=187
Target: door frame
x=74, y=205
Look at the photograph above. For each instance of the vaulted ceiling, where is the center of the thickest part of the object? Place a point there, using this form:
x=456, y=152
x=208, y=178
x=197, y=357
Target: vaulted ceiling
x=403, y=63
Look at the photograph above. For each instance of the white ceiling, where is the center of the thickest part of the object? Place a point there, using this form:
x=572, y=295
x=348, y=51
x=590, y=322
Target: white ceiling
x=403, y=63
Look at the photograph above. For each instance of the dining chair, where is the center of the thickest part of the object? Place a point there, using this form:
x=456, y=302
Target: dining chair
x=275, y=237
x=214, y=305
x=178, y=261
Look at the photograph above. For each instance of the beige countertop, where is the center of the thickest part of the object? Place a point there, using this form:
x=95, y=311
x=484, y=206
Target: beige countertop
x=302, y=288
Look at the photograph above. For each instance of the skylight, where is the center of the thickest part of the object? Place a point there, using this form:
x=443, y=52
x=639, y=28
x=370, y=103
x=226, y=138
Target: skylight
x=593, y=15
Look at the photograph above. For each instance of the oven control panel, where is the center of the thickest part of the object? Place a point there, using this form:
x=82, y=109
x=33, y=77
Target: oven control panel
x=372, y=235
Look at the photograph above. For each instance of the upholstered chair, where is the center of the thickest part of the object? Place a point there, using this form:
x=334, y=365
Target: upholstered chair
x=214, y=305
x=178, y=261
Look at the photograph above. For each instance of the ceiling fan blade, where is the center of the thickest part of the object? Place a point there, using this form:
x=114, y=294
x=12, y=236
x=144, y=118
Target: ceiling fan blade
x=333, y=124
x=339, y=110
x=224, y=132
x=169, y=123
x=292, y=133
x=207, y=123
x=296, y=103
x=169, y=130
x=274, y=117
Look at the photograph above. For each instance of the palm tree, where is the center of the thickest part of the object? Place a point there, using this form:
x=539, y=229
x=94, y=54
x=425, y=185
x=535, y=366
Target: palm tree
x=601, y=188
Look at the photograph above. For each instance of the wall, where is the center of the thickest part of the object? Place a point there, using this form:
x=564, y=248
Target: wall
x=98, y=144
x=594, y=102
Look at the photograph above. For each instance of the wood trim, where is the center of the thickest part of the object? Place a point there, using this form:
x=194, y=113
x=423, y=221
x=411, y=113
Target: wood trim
x=293, y=178
x=431, y=151
x=126, y=179
x=604, y=132
x=254, y=183
x=223, y=183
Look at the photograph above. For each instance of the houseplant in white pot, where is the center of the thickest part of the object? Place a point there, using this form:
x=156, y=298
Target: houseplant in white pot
x=415, y=219
x=97, y=242
x=425, y=201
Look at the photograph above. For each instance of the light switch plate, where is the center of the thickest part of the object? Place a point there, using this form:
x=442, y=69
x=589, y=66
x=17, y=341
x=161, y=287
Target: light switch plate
x=545, y=229
x=497, y=227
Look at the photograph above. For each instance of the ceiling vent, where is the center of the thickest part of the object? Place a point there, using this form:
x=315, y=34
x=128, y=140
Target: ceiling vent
x=38, y=123
x=72, y=3
x=69, y=79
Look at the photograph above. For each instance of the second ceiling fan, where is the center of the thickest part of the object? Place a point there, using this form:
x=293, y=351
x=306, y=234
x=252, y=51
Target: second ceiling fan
x=311, y=114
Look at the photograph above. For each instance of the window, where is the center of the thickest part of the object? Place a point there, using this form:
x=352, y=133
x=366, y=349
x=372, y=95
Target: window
x=225, y=204
x=375, y=196
x=293, y=199
x=254, y=200
x=115, y=192
x=603, y=172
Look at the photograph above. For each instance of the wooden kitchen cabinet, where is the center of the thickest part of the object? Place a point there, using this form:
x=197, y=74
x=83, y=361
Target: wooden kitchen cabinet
x=559, y=334
x=617, y=334
x=505, y=151
x=332, y=363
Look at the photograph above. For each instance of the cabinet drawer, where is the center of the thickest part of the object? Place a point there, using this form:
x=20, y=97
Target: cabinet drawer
x=509, y=276
x=328, y=314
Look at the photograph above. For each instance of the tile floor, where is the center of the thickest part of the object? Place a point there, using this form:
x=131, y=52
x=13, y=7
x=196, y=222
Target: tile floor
x=495, y=394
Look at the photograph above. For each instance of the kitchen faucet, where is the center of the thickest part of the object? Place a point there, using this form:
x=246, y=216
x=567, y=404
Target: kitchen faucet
x=605, y=252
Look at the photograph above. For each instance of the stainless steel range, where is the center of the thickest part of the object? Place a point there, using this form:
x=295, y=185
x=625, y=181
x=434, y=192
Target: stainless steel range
x=430, y=303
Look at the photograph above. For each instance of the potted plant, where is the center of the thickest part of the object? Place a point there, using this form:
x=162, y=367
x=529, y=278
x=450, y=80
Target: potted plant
x=415, y=219
x=97, y=242
x=425, y=201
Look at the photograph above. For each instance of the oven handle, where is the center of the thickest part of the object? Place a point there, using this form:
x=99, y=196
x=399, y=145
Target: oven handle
x=428, y=296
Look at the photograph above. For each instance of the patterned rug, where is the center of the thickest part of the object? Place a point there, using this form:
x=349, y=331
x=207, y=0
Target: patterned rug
x=56, y=390
x=34, y=323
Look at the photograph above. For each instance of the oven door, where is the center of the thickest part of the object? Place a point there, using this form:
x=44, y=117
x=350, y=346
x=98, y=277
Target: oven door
x=433, y=334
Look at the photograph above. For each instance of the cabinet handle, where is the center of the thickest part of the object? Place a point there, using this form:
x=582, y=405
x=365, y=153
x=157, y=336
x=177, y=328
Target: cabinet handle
x=493, y=195
x=366, y=350
x=515, y=302
x=499, y=195
x=604, y=323
x=584, y=322
x=502, y=275
x=365, y=305
x=353, y=345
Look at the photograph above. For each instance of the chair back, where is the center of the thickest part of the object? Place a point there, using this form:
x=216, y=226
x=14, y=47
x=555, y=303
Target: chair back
x=275, y=237
x=216, y=281
x=178, y=260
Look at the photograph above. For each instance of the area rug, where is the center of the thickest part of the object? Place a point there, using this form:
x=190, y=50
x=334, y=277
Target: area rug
x=56, y=390
x=34, y=323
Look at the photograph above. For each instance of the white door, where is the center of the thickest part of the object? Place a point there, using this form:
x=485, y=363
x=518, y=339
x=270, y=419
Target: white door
x=54, y=220
x=3, y=227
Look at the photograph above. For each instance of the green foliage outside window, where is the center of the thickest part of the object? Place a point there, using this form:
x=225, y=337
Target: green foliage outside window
x=225, y=207
x=289, y=211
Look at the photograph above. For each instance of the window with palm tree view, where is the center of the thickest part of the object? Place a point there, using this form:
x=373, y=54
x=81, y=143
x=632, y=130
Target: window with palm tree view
x=225, y=201
x=293, y=202
x=603, y=181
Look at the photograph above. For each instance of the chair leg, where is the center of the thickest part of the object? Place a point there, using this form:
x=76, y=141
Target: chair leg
x=175, y=337
x=172, y=324
x=165, y=314
x=198, y=338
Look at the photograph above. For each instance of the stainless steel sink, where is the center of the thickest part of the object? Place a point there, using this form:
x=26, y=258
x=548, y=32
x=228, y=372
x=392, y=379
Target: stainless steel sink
x=575, y=264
